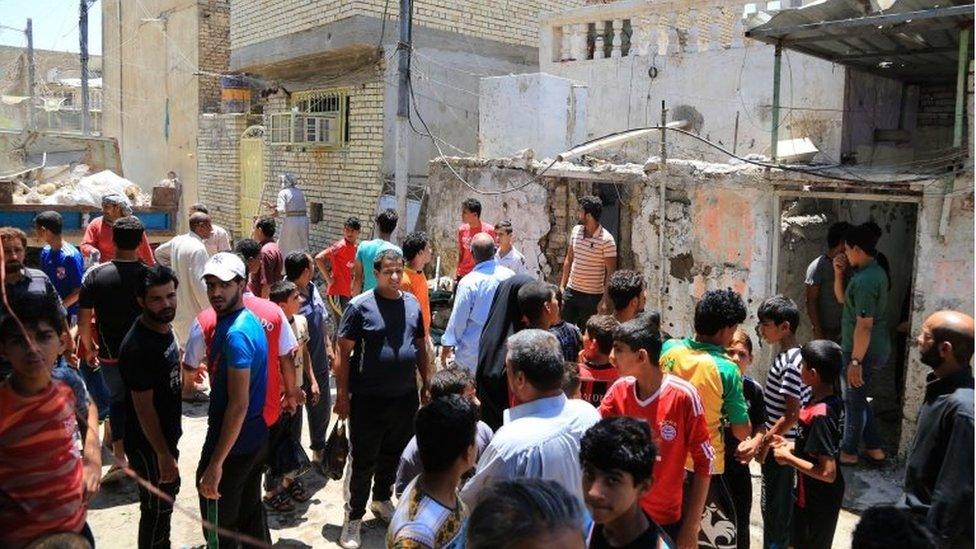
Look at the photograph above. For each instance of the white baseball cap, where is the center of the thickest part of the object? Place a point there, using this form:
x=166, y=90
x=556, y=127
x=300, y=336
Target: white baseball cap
x=225, y=266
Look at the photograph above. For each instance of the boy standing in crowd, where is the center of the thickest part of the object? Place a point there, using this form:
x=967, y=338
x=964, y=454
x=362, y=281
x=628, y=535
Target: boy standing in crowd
x=596, y=372
x=506, y=254
x=471, y=225
x=60, y=261
x=43, y=476
x=363, y=277
x=617, y=456
x=430, y=513
x=569, y=335
x=149, y=361
x=785, y=393
x=627, y=294
x=820, y=486
x=672, y=409
x=272, y=261
x=336, y=263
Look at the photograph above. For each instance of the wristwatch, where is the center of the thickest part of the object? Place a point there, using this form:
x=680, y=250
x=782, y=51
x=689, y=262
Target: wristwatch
x=855, y=362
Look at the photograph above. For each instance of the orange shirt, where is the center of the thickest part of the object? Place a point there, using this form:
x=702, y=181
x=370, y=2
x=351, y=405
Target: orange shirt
x=40, y=465
x=415, y=282
x=99, y=237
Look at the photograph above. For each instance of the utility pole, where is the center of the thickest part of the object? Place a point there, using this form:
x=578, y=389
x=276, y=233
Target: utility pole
x=402, y=169
x=31, y=82
x=83, y=43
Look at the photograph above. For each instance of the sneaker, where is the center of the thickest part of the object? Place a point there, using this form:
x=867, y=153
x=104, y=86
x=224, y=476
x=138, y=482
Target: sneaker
x=349, y=538
x=383, y=510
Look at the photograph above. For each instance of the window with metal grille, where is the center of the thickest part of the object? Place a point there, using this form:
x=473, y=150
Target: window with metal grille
x=317, y=118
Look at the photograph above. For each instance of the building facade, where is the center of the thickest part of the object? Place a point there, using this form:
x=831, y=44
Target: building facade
x=326, y=74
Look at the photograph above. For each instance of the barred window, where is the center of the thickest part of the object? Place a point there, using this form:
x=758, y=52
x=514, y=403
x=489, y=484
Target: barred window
x=317, y=118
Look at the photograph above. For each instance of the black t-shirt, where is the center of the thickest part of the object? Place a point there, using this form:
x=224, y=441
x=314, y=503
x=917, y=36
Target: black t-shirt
x=151, y=360
x=110, y=289
x=652, y=538
x=820, y=425
x=384, y=360
x=753, y=393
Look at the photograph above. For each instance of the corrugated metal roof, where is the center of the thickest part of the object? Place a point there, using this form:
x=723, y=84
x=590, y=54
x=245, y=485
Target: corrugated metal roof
x=912, y=40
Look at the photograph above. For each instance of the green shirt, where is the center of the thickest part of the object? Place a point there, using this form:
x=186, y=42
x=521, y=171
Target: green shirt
x=867, y=296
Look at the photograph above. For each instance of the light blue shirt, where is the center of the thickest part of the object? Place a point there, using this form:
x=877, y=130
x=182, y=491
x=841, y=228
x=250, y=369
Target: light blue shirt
x=472, y=302
x=366, y=253
x=540, y=439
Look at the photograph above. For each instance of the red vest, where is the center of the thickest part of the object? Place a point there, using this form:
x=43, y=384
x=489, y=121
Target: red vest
x=270, y=316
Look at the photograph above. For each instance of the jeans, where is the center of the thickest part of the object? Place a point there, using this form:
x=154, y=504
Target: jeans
x=379, y=430
x=97, y=388
x=777, y=503
x=155, y=514
x=578, y=307
x=858, y=416
x=116, y=387
x=319, y=414
x=239, y=508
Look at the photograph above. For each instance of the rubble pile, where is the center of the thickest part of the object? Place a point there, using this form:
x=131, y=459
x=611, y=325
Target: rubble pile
x=77, y=186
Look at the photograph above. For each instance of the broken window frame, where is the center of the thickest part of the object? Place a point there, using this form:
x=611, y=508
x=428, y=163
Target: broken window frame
x=318, y=118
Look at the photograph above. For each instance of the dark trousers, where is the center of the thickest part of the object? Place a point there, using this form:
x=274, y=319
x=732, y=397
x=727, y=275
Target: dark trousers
x=578, y=307
x=154, y=513
x=116, y=387
x=814, y=525
x=97, y=388
x=239, y=508
x=285, y=454
x=379, y=430
x=719, y=513
x=739, y=482
x=319, y=414
x=777, y=503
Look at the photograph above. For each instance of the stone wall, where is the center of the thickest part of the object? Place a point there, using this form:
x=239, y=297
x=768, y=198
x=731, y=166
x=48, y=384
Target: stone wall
x=719, y=227
x=346, y=181
x=214, y=39
x=219, y=168
x=508, y=21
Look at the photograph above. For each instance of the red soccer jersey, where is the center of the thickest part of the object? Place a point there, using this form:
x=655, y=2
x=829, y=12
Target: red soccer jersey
x=465, y=234
x=40, y=465
x=677, y=420
x=270, y=316
x=595, y=379
x=342, y=255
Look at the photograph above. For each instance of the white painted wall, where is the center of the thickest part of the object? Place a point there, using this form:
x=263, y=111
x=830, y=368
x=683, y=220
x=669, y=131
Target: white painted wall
x=718, y=84
x=539, y=111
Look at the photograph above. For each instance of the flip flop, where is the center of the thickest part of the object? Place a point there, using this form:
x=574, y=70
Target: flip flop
x=297, y=492
x=279, y=502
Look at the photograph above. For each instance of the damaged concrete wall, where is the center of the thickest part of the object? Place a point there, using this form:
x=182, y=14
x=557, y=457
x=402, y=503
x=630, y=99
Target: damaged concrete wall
x=943, y=280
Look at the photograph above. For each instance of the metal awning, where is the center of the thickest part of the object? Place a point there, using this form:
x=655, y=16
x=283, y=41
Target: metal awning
x=911, y=40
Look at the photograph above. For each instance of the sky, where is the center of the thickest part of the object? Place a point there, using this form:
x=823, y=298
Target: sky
x=55, y=24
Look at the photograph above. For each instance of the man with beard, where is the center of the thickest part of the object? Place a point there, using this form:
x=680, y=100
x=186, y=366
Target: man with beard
x=149, y=361
x=98, y=234
x=939, y=475
x=234, y=450
x=20, y=280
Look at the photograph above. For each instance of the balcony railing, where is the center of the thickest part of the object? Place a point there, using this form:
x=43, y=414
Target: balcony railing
x=639, y=27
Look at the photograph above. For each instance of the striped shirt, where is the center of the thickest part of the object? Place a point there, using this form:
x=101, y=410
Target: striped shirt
x=588, y=273
x=422, y=521
x=782, y=381
x=40, y=465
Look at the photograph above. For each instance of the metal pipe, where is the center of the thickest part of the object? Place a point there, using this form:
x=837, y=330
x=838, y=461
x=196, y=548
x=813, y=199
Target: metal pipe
x=662, y=190
x=613, y=140
x=961, y=74
x=777, y=64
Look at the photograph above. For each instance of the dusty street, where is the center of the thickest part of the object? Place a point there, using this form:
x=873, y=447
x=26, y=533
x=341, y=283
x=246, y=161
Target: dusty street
x=114, y=514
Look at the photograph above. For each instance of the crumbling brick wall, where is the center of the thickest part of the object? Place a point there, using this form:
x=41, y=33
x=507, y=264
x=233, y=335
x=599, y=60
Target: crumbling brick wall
x=508, y=21
x=345, y=181
x=218, y=167
x=214, y=50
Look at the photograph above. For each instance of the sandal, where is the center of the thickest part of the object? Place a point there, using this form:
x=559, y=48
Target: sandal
x=279, y=502
x=297, y=492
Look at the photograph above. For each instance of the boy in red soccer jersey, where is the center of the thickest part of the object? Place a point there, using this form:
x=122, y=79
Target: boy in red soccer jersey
x=596, y=373
x=674, y=412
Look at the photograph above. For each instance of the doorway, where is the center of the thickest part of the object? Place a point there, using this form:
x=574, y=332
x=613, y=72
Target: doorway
x=804, y=222
x=252, y=175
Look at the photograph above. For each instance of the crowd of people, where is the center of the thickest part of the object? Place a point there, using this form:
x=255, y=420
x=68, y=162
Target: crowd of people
x=559, y=415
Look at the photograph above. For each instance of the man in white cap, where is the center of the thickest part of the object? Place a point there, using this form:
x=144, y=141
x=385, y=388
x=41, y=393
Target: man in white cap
x=234, y=450
x=291, y=205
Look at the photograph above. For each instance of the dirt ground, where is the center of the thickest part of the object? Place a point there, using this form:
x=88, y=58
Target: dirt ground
x=114, y=513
